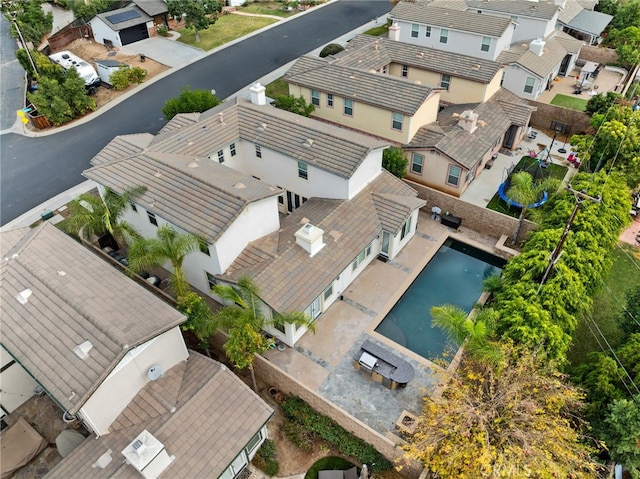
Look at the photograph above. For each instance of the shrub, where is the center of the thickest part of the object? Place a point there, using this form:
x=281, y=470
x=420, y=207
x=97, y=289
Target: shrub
x=299, y=411
x=331, y=49
x=394, y=161
x=137, y=75
x=298, y=435
x=119, y=79
x=162, y=30
x=190, y=101
x=299, y=106
x=265, y=459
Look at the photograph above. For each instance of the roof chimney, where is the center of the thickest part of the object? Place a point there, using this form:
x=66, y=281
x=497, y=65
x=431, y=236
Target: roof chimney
x=394, y=32
x=147, y=455
x=537, y=46
x=468, y=120
x=257, y=94
x=310, y=238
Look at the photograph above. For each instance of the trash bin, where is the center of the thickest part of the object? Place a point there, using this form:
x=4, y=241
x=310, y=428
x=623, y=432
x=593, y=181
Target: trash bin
x=143, y=57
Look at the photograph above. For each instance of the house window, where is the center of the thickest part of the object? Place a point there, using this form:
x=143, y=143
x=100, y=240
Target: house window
x=221, y=156
x=302, y=170
x=406, y=227
x=152, y=218
x=258, y=151
x=405, y=71
x=415, y=30
x=211, y=280
x=328, y=292
x=361, y=257
x=348, y=107
x=486, y=44
x=528, y=84
x=396, y=121
x=254, y=442
x=134, y=207
x=502, y=77
x=428, y=31
x=232, y=147
x=330, y=100
x=444, y=35
x=417, y=162
x=315, y=97
x=445, y=81
x=453, y=178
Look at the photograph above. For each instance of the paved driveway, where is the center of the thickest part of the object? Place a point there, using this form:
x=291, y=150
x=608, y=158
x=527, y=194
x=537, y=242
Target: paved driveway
x=165, y=51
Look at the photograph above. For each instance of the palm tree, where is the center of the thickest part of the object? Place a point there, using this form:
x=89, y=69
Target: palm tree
x=97, y=215
x=524, y=191
x=244, y=319
x=167, y=246
x=460, y=327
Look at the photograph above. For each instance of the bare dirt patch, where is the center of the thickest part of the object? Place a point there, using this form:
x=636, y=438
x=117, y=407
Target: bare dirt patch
x=91, y=51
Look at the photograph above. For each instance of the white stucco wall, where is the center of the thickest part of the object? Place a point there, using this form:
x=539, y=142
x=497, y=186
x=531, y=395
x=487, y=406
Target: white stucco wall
x=129, y=376
x=527, y=28
x=16, y=386
x=514, y=81
x=369, y=170
x=102, y=32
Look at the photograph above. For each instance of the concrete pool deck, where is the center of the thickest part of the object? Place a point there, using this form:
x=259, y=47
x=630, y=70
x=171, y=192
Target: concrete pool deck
x=323, y=361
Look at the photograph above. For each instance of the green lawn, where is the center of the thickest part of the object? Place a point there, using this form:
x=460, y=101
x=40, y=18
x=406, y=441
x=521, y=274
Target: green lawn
x=268, y=8
x=379, y=31
x=571, y=102
x=607, y=304
x=553, y=170
x=276, y=88
x=227, y=28
x=331, y=463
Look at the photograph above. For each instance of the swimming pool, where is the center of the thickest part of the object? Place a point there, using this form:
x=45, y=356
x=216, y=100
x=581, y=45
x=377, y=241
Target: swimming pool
x=453, y=276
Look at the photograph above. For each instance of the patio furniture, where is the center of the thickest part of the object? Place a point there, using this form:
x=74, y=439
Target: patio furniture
x=20, y=444
x=348, y=474
x=451, y=221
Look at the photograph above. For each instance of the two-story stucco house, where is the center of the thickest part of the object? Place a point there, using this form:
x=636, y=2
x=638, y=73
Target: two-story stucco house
x=518, y=34
x=299, y=205
x=110, y=354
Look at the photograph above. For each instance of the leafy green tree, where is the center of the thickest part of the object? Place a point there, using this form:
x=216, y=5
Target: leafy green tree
x=298, y=105
x=525, y=191
x=244, y=319
x=515, y=421
x=170, y=246
x=601, y=102
x=87, y=9
x=622, y=433
x=197, y=14
x=31, y=20
x=62, y=101
x=629, y=319
x=395, y=162
x=331, y=49
x=199, y=318
x=627, y=15
x=189, y=101
x=475, y=330
x=92, y=215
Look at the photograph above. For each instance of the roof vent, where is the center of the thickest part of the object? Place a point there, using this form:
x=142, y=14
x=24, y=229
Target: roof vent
x=309, y=237
x=155, y=372
x=239, y=186
x=82, y=350
x=157, y=174
x=262, y=127
x=147, y=455
x=61, y=273
x=193, y=164
x=221, y=117
x=23, y=296
x=103, y=461
x=308, y=143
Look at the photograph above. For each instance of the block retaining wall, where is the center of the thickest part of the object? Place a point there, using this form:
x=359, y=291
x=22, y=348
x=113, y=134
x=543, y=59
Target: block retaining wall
x=546, y=113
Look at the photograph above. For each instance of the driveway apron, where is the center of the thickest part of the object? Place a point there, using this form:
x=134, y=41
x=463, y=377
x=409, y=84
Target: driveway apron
x=165, y=51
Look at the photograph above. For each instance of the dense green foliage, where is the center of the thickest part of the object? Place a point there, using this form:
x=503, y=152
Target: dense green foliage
x=622, y=433
x=124, y=76
x=298, y=105
x=331, y=49
x=196, y=14
x=31, y=20
x=601, y=102
x=87, y=9
x=532, y=314
x=189, y=101
x=265, y=459
x=629, y=319
x=395, y=162
x=331, y=463
x=45, y=67
x=199, y=318
x=296, y=410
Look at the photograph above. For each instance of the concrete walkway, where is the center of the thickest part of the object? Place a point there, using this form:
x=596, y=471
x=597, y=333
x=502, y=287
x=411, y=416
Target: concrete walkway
x=165, y=50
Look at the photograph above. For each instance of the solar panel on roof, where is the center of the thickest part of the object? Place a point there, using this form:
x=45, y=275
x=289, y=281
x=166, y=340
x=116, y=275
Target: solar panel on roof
x=123, y=16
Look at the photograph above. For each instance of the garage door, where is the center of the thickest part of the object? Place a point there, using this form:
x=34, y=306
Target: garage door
x=134, y=34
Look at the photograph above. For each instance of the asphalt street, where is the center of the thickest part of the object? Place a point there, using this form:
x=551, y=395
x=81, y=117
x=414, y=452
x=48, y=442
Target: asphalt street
x=11, y=77
x=35, y=169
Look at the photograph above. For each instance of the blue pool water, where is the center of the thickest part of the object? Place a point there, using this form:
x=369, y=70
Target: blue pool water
x=453, y=276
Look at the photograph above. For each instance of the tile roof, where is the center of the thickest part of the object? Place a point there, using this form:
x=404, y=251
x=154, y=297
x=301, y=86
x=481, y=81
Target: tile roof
x=288, y=278
x=590, y=22
x=571, y=9
x=75, y=297
x=216, y=416
x=362, y=52
x=466, y=21
x=557, y=45
x=494, y=117
x=140, y=19
x=388, y=92
x=522, y=8
x=197, y=194
x=152, y=7
x=121, y=146
x=180, y=120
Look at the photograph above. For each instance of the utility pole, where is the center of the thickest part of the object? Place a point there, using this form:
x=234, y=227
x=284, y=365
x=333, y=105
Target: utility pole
x=24, y=44
x=581, y=196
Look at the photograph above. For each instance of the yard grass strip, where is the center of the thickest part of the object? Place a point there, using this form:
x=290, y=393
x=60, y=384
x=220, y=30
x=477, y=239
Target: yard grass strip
x=570, y=102
x=226, y=29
